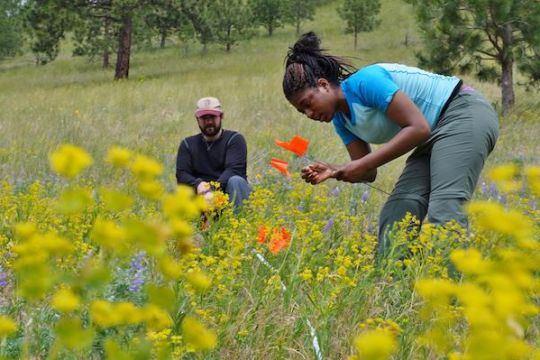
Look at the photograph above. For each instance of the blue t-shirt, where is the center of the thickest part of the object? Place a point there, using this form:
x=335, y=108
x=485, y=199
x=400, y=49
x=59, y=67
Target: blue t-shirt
x=369, y=91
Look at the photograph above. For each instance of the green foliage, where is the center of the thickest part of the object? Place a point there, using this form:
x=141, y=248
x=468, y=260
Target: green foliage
x=360, y=15
x=47, y=22
x=481, y=37
x=231, y=21
x=199, y=14
x=299, y=11
x=10, y=28
x=269, y=13
x=165, y=20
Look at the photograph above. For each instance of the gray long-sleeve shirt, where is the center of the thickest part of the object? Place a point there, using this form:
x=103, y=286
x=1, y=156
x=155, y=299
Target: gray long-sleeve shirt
x=199, y=160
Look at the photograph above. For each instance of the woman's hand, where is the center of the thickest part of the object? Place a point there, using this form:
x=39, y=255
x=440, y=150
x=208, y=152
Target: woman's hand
x=316, y=173
x=355, y=171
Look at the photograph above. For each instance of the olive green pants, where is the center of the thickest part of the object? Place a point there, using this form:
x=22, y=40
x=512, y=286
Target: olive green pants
x=441, y=174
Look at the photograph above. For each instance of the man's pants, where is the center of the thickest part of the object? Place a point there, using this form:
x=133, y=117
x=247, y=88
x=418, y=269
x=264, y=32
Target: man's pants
x=441, y=174
x=238, y=190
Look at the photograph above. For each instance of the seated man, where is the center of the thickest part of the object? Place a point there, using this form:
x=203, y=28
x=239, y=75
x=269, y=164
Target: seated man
x=213, y=155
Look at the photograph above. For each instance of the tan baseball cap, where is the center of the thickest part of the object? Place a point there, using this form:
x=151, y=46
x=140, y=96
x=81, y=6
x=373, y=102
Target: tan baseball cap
x=208, y=106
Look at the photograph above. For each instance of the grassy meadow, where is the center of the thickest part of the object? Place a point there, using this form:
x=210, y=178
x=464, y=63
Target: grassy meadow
x=223, y=298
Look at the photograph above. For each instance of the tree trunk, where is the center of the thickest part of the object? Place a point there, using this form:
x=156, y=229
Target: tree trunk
x=106, y=51
x=507, y=64
x=124, y=48
x=163, y=38
x=270, y=28
x=228, y=41
x=297, y=27
x=106, y=62
x=355, y=39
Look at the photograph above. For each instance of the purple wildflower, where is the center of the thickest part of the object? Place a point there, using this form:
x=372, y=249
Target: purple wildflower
x=3, y=278
x=365, y=196
x=329, y=224
x=138, y=269
x=532, y=204
x=493, y=190
x=483, y=188
x=335, y=191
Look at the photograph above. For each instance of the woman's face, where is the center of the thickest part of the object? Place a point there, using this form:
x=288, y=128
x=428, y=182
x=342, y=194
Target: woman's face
x=317, y=103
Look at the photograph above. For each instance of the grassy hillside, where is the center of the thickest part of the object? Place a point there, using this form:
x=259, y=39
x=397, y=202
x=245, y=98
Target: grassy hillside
x=72, y=100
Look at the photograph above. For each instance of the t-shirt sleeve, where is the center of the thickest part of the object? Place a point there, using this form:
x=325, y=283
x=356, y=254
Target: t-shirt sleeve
x=346, y=136
x=375, y=86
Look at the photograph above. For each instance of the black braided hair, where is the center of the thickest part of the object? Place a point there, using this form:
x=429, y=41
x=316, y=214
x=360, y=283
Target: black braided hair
x=306, y=63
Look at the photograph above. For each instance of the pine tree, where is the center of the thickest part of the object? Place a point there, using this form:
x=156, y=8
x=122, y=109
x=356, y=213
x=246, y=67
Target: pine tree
x=11, y=39
x=360, y=15
x=268, y=13
x=485, y=37
x=46, y=22
x=165, y=20
x=231, y=20
x=199, y=14
x=298, y=11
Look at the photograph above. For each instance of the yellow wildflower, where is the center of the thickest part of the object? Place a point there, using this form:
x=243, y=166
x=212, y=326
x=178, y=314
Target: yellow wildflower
x=145, y=168
x=375, y=345
x=25, y=230
x=170, y=268
x=128, y=313
x=103, y=314
x=197, y=335
x=152, y=189
x=70, y=160
x=7, y=326
x=533, y=178
x=156, y=318
x=306, y=275
x=110, y=236
x=198, y=280
x=115, y=200
x=118, y=156
x=503, y=172
x=65, y=301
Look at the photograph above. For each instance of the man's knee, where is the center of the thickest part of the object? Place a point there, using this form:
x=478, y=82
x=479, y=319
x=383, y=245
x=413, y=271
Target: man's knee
x=238, y=190
x=236, y=182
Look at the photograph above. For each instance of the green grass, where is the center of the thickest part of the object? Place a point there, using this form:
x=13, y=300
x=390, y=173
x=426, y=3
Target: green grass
x=72, y=100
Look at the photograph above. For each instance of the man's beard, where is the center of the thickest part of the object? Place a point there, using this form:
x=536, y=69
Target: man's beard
x=211, y=130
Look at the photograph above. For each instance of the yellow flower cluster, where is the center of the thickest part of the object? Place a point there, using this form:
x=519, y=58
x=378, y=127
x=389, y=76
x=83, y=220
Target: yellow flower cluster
x=496, y=296
x=70, y=160
x=376, y=344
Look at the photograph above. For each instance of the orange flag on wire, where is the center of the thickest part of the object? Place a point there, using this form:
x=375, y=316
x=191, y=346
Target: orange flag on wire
x=281, y=166
x=297, y=145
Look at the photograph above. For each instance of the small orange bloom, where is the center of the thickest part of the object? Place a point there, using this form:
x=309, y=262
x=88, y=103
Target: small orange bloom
x=280, y=239
x=262, y=234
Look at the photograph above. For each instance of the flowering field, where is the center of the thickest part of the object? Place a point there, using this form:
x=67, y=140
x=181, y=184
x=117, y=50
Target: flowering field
x=128, y=270
x=102, y=256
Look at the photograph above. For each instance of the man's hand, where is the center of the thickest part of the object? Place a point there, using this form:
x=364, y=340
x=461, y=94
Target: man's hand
x=316, y=173
x=203, y=188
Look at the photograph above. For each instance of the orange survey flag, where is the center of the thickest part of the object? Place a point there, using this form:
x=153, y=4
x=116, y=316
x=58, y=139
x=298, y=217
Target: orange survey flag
x=280, y=239
x=281, y=166
x=262, y=234
x=297, y=145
